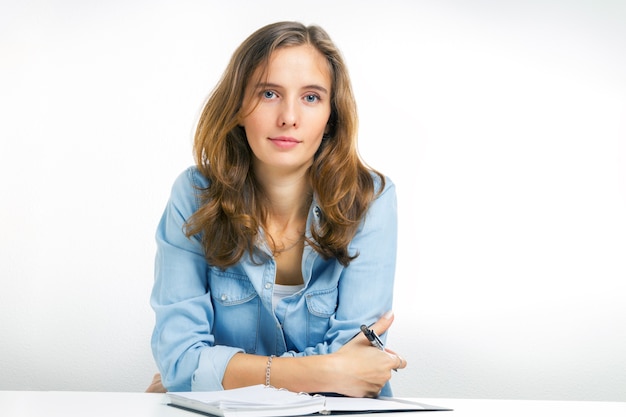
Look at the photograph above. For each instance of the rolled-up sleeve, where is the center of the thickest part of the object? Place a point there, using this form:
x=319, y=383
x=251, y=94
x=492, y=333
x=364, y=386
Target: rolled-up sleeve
x=182, y=344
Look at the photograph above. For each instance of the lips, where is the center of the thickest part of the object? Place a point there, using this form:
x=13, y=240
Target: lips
x=284, y=139
x=284, y=143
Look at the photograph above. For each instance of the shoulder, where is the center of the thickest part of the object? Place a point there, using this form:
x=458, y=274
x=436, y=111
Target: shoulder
x=382, y=184
x=382, y=212
x=191, y=177
x=188, y=186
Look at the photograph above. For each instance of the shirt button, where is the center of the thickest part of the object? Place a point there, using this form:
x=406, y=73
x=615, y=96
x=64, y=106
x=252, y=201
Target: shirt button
x=317, y=211
x=268, y=285
x=224, y=297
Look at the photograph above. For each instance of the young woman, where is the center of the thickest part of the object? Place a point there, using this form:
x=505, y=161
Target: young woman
x=280, y=242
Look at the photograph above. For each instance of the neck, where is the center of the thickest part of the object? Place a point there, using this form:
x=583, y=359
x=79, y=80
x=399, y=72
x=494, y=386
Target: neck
x=289, y=196
x=288, y=210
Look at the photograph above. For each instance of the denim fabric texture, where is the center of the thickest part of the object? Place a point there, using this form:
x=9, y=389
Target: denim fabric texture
x=205, y=315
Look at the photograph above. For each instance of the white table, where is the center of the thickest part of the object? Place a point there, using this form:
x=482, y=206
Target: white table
x=122, y=404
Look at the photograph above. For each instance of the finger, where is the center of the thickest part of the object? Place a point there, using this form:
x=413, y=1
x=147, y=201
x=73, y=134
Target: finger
x=383, y=323
x=402, y=363
x=394, y=353
x=391, y=351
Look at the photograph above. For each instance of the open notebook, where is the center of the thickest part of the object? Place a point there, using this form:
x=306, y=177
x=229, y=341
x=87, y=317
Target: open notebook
x=264, y=401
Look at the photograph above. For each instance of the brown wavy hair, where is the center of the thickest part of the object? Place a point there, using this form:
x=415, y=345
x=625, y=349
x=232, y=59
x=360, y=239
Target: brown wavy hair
x=233, y=206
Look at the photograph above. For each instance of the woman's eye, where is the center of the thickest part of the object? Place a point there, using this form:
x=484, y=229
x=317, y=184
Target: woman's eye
x=311, y=98
x=268, y=94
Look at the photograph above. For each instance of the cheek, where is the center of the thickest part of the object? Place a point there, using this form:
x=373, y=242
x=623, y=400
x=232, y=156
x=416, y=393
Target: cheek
x=251, y=126
x=317, y=143
x=324, y=127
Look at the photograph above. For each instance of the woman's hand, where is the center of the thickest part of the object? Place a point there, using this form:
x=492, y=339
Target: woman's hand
x=361, y=369
x=156, y=385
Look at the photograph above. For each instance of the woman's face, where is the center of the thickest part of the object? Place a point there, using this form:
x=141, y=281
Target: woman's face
x=287, y=112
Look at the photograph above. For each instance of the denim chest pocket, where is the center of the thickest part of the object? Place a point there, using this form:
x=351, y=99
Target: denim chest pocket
x=230, y=289
x=236, y=308
x=321, y=305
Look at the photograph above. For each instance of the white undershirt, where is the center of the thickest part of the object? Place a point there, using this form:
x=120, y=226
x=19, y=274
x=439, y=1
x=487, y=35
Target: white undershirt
x=282, y=291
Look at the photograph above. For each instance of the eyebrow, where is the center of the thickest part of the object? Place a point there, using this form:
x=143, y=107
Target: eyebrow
x=306, y=87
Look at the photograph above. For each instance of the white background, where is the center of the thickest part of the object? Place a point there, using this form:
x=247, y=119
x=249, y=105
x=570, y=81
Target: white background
x=501, y=122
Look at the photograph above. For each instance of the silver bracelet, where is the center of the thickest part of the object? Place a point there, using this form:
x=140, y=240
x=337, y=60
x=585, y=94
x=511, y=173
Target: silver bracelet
x=267, y=370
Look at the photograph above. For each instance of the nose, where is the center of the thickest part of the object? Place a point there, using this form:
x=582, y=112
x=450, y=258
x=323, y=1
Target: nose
x=288, y=115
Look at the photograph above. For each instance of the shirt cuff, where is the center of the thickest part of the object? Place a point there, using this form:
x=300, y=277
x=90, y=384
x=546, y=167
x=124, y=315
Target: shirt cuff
x=211, y=367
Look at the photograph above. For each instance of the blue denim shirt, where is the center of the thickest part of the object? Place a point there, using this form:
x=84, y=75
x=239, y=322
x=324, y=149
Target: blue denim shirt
x=204, y=315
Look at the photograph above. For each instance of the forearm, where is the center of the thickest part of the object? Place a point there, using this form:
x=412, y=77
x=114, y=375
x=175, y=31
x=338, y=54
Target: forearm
x=298, y=374
x=356, y=370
